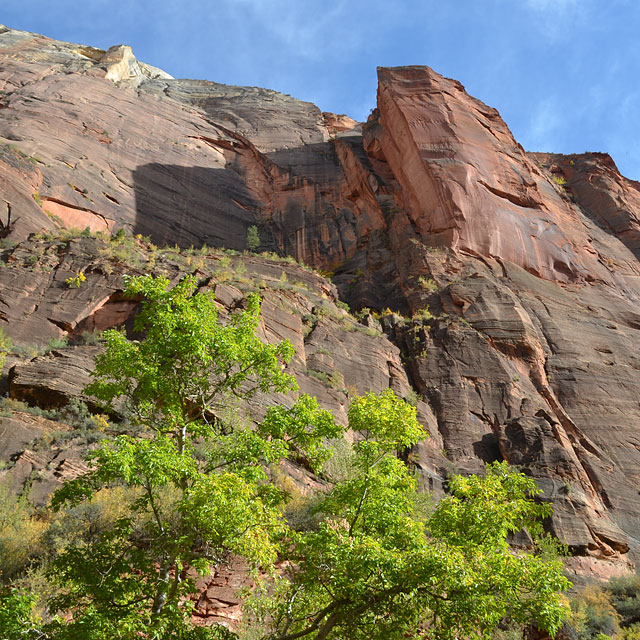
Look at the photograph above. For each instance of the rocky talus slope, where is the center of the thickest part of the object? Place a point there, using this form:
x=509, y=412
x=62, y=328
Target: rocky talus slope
x=508, y=282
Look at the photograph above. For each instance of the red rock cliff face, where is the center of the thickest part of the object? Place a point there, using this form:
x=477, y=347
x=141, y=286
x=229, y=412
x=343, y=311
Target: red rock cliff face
x=465, y=180
x=608, y=198
x=529, y=263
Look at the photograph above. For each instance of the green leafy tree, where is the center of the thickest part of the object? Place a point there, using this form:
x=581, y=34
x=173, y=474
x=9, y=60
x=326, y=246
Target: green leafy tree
x=376, y=564
x=17, y=619
x=135, y=580
x=380, y=567
x=253, y=238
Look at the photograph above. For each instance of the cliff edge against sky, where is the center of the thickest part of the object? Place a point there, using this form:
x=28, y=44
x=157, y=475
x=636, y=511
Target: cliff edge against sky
x=527, y=262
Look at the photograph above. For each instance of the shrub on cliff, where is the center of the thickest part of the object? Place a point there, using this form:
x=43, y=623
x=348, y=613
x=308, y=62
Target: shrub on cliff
x=593, y=617
x=253, y=238
x=5, y=347
x=625, y=597
x=607, y=610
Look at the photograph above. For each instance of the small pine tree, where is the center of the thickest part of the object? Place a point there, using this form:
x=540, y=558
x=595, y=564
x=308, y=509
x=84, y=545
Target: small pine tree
x=253, y=238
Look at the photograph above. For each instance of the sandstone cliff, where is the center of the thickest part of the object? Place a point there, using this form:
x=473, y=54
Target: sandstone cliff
x=528, y=263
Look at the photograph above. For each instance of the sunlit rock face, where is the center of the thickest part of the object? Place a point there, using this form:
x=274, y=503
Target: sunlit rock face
x=528, y=263
x=464, y=177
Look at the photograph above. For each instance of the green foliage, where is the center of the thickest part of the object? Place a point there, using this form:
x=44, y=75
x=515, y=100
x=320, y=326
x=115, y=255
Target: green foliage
x=386, y=423
x=380, y=566
x=20, y=534
x=134, y=580
x=74, y=282
x=33, y=351
x=335, y=379
x=5, y=346
x=17, y=617
x=188, y=362
x=593, y=616
x=92, y=338
x=625, y=597
x=128, y=250
x=607, y=610
x=428, y=284
x=412, y=397
x=30, y=538
x=341, y=465
x=84, y=424
x=253, y=238
x=77, y=414
x=422, y=315
x=632, y=632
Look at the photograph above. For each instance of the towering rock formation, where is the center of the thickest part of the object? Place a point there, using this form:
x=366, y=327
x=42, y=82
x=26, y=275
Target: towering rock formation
x=529, y=263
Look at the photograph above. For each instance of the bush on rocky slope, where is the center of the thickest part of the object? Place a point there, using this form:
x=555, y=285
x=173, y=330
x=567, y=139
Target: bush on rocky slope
x=608, y=610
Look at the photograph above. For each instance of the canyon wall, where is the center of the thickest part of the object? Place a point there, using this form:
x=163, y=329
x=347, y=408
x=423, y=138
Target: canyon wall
x=508, y=283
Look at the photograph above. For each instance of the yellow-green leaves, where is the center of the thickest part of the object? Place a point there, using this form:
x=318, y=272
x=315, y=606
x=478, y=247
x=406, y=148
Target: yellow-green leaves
x=5, y=346
x=188, y=363
x=489, y=508
x=378, y=568
x=386, y=419
x=302, y=430
x=198, y=471
x=228, y=513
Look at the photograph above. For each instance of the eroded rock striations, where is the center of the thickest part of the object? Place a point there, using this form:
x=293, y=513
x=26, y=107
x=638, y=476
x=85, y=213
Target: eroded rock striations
x=528, y=263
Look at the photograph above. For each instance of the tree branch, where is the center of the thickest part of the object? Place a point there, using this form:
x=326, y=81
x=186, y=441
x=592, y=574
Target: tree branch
x=315, y=625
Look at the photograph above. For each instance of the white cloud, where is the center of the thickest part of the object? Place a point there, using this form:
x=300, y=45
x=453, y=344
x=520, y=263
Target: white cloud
x=553, y=18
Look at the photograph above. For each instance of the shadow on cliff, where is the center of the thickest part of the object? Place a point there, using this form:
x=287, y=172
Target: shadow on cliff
x=301, y=199
x=192, y=206
x=306, y=211
x=216, y=204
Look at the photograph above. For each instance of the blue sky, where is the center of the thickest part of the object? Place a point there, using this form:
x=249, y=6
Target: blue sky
x=564, y=74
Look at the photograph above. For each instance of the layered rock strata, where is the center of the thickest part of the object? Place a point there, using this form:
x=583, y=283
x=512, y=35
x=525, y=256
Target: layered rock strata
x=514, y=276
